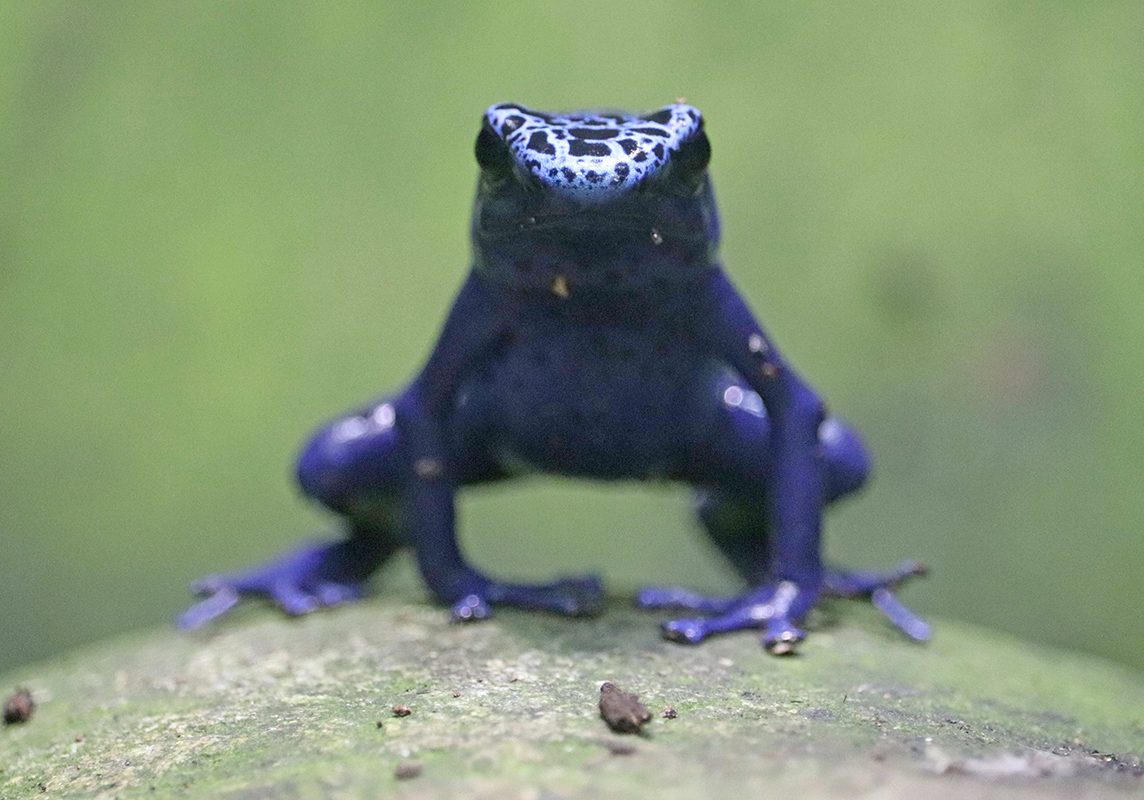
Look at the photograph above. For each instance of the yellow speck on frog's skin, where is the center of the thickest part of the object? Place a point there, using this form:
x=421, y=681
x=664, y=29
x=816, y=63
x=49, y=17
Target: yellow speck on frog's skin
x=560, y=287
x=427, y=468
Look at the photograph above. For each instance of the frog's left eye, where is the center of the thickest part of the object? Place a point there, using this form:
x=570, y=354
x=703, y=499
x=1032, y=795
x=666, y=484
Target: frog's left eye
x=694, y=155
x=491, y=151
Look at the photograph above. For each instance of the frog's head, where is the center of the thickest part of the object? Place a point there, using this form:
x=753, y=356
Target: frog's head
x=593, y=199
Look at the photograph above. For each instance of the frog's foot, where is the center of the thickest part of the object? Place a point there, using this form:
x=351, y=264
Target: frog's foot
x=774, y=607
x=879, y=588
x=574, y=597
x=311, y=577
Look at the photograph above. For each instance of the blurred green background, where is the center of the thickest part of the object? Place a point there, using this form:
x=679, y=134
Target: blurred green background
x=221, y=223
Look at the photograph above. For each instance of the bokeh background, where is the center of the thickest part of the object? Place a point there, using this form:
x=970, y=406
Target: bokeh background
x=221, y=223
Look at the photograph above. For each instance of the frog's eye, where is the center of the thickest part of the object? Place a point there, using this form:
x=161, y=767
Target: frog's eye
x=694, y=155
x=491, y=151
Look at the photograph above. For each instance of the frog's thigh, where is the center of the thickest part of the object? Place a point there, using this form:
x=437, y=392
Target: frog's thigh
x=735, y=456
x=351, y=456
x=362, y=457
x=732, y=507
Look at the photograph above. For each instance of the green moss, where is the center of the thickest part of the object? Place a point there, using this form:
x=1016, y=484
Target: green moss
x=267, y=707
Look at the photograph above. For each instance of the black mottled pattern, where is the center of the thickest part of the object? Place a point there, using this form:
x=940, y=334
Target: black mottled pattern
x=593, y=155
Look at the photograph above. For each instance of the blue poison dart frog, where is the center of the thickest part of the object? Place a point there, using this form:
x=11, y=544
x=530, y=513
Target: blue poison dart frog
x=598, y=336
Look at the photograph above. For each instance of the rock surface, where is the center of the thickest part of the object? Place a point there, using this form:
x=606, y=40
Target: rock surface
x=267, y=707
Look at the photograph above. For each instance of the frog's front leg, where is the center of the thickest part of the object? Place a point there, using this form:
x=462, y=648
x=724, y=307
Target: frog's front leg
x=428, y=498
x=481, y=319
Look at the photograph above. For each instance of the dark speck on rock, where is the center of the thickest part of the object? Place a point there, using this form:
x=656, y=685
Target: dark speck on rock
x=407, y=770
x=617, y=748
x=19, y=707
x=623, y=712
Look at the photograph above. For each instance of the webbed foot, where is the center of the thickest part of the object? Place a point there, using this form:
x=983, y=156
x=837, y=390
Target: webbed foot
x=304, y=580
x=879, y=588
x=774, y=607
x=777, y=607
x=574, y=597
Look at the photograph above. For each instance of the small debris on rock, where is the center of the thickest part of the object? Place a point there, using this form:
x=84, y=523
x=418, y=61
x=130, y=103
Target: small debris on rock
x=456, y=693
x=380, y=725
x=19, y=707
x=623, y=712
x=670, y=713
x=407, y=770
x=402, y=710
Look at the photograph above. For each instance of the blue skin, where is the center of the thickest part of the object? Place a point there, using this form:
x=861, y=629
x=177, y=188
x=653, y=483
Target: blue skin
x=597, y=336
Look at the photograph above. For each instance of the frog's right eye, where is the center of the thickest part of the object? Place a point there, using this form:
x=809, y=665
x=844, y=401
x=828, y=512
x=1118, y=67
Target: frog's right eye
x=492, y=152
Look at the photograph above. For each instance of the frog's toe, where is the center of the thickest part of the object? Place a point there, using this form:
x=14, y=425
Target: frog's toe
x=677, y=597
x=684, y=631
x=216, y=603
x=335, y=594
x=574, y=597
x=470, y=608
x=903, y=618
x=879, y=587
x=782, y=637
x=862, y=583
x=292, y=599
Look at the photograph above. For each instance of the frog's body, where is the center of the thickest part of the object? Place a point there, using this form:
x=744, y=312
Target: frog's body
x=596, y=336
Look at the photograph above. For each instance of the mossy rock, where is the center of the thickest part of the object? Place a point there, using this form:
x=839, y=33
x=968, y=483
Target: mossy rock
x=264, y=707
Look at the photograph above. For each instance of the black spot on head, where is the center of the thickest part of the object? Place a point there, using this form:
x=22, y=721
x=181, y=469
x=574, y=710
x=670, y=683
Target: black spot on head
x=569, y=175
x=663, y=116
x=652, y=132
x=622, y=171
x=532, y=163
x=629, y=145
x=592, y=176
x=552, y=173
x=639, y=157
x=578, y=147
x=593, y=133
x=658, y=150
x=538, y=143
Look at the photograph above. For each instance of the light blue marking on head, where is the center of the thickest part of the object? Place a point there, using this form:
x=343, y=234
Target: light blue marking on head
x=593, y=155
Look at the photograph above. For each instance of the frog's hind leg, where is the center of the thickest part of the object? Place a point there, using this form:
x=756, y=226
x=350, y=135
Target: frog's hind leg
x=736, y=521
x=353, y=466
